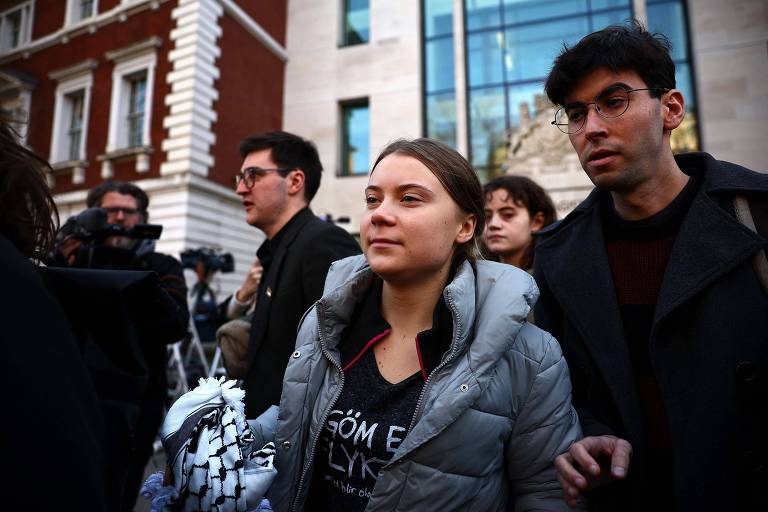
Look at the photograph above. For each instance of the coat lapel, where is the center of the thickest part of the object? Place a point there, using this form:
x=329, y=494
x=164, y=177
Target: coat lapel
x=710, y=243
x=578, y=274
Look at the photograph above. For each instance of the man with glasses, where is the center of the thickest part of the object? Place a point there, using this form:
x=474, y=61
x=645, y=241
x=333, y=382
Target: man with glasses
x=649, y=286
x=279, y=176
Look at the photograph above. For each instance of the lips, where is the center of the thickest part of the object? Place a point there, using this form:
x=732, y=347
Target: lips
x=601, y=157
x=247, y=205
x=382, y=242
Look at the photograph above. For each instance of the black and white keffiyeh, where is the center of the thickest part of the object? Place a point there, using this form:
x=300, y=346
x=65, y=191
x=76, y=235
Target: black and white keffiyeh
x=211, y=453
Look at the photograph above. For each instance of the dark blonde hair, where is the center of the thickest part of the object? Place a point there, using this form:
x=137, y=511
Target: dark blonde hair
x=457, y=177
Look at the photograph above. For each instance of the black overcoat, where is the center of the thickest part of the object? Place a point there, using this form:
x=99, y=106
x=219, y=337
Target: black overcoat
x=708, y=345
x=291, y=284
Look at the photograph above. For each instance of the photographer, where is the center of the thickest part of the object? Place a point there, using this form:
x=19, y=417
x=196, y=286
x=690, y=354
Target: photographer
x=109, y=236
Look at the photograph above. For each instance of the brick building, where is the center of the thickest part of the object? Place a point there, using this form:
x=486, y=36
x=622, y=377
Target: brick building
x=157, y=92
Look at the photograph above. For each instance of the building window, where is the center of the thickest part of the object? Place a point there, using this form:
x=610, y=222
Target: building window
x=137, y=85
x=131, y=107
x=75, y=102
x=70, y=119
x=15, y=26
x=510, y=46
x=356, y=23
x=355, y=140
x=78, y=10
x=439, y=87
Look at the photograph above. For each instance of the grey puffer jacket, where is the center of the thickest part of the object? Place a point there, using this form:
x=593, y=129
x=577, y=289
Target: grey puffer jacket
x=491, y=419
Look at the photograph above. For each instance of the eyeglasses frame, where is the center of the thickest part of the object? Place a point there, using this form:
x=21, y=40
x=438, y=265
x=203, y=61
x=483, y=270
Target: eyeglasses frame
x=240, y=177
x=597, y=109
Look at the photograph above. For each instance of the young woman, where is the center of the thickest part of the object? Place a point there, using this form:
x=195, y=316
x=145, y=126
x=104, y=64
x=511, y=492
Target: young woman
x=416, y=383
x=515, y=208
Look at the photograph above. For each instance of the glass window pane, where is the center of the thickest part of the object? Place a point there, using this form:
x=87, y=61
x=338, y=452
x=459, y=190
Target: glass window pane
x=485, y=58
x=441, y=118
x=482, y=14
x=668, y=18
x=524, y=103
x=439, y=64
x=604, y=19
x=683, y=81
x=519, y=11
x=487, y=125
x=531, y=49
x=607, y=4
x=356, y=22
x=438, y=17
x=356, y=143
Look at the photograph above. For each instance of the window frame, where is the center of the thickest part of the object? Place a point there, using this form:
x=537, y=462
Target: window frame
x=343, y=41
x=71, y=16
x=62, y=117
x=27, y=17
x=343, y=170
x=119, y=132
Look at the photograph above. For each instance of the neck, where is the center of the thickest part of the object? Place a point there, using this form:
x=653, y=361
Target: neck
x=515, y=258
x=409, y=306
x=279, y=223
x=653, y=195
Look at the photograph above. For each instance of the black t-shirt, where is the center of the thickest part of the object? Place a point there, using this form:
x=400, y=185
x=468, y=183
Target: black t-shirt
x=372, y=416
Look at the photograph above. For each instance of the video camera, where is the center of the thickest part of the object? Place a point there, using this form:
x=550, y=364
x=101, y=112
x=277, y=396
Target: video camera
x=91, y=228
x=91, y=225
x=211, y=259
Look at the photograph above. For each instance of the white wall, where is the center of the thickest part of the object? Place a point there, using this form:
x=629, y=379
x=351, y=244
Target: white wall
x=730, y=48
x=319, y=74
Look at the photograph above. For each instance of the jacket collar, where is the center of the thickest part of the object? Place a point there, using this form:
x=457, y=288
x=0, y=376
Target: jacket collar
x=489, y=303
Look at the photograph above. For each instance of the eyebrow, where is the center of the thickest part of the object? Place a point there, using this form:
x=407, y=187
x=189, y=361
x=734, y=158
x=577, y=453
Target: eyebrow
x=401, y=188
x=615, y=85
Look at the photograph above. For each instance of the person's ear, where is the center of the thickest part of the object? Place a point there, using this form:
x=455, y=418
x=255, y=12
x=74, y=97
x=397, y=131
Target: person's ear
x=672, y=109
x=295, y=181
x=467, y=229
x=537, y=222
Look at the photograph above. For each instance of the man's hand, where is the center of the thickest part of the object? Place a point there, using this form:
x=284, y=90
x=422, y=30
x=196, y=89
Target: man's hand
x=251, y=283
x=69, y=248
x=590, y=463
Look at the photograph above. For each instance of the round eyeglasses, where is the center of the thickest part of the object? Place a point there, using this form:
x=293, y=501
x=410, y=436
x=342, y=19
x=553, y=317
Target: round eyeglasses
x=610, y=103
x=250, y=175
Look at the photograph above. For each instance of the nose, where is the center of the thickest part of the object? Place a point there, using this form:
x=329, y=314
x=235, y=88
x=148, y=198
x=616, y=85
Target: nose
x=383, y=214
x=594, y=124
x=493, y=222
x=241, y=189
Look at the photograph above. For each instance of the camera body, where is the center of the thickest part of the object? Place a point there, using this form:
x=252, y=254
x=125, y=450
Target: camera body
x=211, y=259
x=91, y=228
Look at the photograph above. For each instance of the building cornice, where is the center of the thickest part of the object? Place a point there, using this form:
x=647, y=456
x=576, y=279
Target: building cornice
x=133, y=50
x=119, y=13
x=253, y=28
x=78, y=69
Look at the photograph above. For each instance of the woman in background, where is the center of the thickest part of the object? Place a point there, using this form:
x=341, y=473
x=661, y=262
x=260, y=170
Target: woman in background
x=515, y=208
x=417, y=383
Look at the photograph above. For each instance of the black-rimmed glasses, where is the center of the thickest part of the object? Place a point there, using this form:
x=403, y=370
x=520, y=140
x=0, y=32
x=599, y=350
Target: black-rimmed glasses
x=250, y=175
x=610, y=103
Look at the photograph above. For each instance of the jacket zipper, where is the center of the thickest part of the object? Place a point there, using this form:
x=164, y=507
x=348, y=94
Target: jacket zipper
x=327, y=413
x=419, y=403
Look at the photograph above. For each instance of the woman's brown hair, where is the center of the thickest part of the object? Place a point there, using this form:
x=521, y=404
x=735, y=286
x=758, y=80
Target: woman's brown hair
x=28, y=215
x=457, y=177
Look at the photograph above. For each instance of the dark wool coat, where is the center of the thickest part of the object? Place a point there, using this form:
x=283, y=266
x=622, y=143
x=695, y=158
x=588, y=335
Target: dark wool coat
x=708, y=345
x=291, y=284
